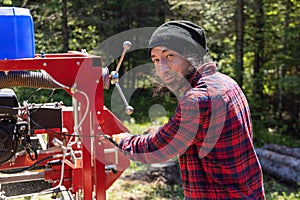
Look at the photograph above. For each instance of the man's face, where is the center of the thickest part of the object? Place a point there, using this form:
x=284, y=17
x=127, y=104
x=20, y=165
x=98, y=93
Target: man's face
x=171, y=67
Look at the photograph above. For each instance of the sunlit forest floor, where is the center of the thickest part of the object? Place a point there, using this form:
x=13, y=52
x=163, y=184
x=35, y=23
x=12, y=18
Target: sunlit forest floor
x=127, y=189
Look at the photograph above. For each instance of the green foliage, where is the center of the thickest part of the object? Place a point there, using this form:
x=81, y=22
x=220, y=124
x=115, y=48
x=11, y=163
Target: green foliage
x=289, y=83
x=271, y=44
x=272, y=90
x=42, y=96
x=143, y=101
x=276, y=190
x=266, y=136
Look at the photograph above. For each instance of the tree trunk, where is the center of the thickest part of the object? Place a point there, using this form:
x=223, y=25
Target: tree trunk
x=239, y=44
x=259, y=49
x=65, y=31
x=280, y=69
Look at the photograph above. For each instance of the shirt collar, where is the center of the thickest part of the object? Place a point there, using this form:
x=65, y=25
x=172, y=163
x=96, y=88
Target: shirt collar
x=204, y=70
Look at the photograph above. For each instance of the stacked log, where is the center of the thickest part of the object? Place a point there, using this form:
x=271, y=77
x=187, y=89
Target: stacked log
x=280, y=161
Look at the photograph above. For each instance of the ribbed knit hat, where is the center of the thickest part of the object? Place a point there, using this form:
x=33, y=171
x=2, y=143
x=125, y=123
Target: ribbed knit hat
x=183, y=37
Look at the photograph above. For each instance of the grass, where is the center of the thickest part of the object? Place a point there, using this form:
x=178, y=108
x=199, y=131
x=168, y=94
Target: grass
x=276, y=190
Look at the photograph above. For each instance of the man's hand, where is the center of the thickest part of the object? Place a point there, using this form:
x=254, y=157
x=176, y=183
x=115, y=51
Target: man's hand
x=151, y=130
x=118, y=137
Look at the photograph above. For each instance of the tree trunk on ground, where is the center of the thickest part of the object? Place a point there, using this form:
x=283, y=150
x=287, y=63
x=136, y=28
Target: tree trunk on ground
x=281, y=162
x=280, y=158
x=280, y=171
x=294, y=152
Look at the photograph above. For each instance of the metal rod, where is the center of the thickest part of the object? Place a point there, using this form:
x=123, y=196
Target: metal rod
x=121, y=60
x=121, y=94
x=126, y=46
x=76, y=116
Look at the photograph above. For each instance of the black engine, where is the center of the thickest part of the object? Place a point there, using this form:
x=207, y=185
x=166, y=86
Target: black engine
x=18, y=124
x=8, y=124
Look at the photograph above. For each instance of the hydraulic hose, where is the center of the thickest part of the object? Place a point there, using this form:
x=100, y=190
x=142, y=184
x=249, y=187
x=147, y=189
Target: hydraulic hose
x=27, y=79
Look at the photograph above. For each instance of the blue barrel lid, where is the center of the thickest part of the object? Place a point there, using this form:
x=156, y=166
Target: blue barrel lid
x=14, y=11
x=16, y=33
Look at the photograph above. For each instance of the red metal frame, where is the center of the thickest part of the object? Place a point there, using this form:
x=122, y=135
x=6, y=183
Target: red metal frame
x=81, y=72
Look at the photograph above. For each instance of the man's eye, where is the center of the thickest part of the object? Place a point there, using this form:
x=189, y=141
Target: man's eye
x=155, y=61
x=169, y=56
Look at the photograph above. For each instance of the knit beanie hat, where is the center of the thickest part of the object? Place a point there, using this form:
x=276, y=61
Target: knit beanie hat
x=183, y=37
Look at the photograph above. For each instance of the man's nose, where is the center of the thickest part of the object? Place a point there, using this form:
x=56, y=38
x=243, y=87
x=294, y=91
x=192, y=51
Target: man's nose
x=163, y=67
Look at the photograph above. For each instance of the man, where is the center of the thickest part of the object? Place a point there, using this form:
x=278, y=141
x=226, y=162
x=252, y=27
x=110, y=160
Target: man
x=211, y=129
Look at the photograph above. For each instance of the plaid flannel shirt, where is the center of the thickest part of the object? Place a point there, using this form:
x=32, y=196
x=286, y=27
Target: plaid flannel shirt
x=211, y=130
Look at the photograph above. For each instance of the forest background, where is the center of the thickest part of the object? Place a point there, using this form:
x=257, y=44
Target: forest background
x=256, y=42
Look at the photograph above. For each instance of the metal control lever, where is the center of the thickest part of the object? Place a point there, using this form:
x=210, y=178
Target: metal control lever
x=114, y=78
x=129, y=109
x=126, y=46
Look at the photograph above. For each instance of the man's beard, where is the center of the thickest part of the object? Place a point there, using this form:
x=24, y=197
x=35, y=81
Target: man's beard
x=162, y=89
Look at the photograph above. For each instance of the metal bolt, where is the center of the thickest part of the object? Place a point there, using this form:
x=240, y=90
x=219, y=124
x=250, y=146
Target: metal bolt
x=78, y=63
x=44, y=64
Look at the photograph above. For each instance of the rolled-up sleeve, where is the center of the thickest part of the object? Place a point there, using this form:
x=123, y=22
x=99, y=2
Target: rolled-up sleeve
x=171, y=139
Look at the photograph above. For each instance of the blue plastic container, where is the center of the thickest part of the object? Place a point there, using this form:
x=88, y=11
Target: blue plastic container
x=16, y=33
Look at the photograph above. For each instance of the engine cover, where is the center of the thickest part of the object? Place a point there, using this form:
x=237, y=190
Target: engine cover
x=8, y=106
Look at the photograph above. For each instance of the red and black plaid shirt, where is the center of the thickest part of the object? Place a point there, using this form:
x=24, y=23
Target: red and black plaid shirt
x=212, y=132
